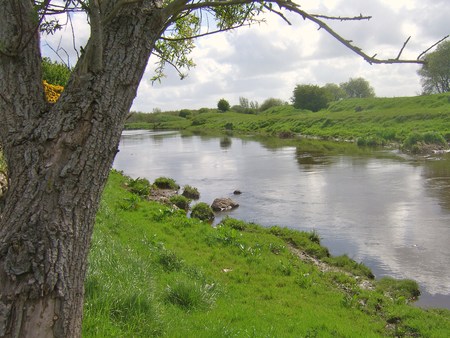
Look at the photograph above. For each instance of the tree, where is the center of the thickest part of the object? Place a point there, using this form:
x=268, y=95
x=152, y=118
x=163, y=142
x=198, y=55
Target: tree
x=223, y=105
x=54, y=72
x=310, y=97
x=269, y=103
x=357, y=87
x=59, y=155
x=435, y=72
x=335, y=92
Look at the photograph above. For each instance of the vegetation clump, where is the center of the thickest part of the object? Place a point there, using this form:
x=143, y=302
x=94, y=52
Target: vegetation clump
x=400, y=290
x=166, y=183
x=180, y=201
x=203, y=212
x=223, y=105
x=191, y=192
x=139, y=186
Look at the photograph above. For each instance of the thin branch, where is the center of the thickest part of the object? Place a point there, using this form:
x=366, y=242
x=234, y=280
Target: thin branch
x=342, y=18
x=281, y=15
x=435, y=44
x=403, y=47
x=206, y=34
x=160, y=55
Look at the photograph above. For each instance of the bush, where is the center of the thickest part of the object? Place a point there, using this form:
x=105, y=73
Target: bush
x=166, y=183
x=180, y=201
x=203, y=212
x=434, y=138
x=412, y=139
x=184, y=113
x=54, y=72
x=269, y=103
x=310, y=97
x=229, y=126
x=191, y=192
x=223, y=105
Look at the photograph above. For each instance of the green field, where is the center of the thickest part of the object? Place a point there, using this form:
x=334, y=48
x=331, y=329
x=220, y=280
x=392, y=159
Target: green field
x=155, y=272
x=405, y=121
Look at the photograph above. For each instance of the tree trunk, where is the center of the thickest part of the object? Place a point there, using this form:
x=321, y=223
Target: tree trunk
x=59, y=158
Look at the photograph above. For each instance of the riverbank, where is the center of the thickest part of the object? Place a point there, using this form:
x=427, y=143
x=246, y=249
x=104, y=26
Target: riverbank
x=155, y=272
x=416, y=124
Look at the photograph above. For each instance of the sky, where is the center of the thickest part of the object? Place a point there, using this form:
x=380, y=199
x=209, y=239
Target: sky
x=268, y=60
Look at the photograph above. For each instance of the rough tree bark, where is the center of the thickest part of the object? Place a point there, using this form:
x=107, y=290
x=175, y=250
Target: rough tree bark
x=59, y=157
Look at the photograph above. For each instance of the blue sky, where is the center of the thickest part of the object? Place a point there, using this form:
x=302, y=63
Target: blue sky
x=269, y=59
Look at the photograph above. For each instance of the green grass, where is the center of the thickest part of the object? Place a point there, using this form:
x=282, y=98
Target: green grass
x=368, y=121
x=154, y=272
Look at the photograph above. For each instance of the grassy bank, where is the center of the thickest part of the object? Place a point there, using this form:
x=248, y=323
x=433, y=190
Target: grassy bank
x=408, y=121
x=155, y=272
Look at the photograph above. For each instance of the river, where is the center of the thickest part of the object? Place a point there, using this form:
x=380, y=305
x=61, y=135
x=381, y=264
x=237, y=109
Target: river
x=389, y=211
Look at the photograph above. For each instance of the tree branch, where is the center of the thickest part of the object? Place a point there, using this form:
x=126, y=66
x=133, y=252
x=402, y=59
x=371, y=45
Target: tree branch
x=433, y=45
x=403, y=47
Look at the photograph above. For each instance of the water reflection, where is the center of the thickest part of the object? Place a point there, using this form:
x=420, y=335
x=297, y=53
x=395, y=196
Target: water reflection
x=225, y=142
x=391, y=213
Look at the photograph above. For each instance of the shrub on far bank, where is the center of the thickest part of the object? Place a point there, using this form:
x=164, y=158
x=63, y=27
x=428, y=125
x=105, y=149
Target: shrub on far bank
x=416, y=142
x=223, y=105
x=269, y=103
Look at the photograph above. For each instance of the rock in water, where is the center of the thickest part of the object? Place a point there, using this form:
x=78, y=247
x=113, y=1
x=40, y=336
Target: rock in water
x=222, y=204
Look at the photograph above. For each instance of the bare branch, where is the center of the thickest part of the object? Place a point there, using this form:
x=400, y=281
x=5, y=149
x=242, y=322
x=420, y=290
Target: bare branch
x=281, y=15
x=435, y=44
x=342, y=18
x=403, y=47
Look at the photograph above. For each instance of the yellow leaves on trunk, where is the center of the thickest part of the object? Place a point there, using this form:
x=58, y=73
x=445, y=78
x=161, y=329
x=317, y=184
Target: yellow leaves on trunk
x=52, y=92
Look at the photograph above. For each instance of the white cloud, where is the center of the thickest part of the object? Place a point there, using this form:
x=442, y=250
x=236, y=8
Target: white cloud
x=268, y=60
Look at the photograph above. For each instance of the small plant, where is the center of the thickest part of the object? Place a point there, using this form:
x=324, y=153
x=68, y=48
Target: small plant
x=166, y=183
x=234, y=223
x=314, y=236
x=189, y=295
x=131, y=203
x=203, y=212
x=139, y=186
x=180, y=201
x=191, y=192
x=169, y=260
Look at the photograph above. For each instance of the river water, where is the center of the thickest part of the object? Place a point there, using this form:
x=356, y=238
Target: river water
x=386, y=210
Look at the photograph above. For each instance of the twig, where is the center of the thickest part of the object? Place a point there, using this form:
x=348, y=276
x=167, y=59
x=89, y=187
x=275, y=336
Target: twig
x=403, y=47
x=425, y=51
